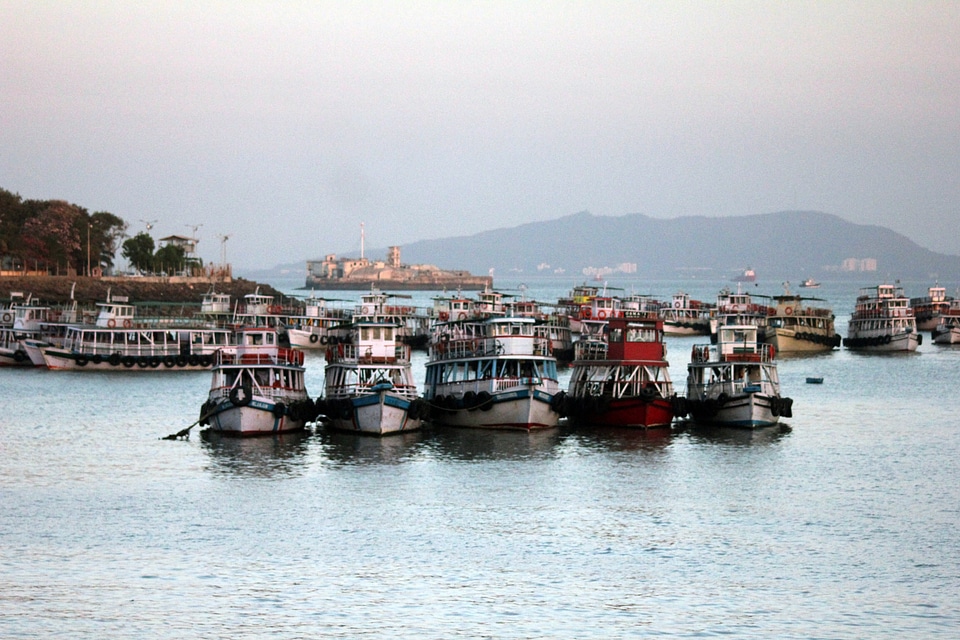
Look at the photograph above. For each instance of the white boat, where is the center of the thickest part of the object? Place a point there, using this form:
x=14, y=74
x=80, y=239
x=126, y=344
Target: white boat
x=319, y=325
x=736, y=383
x=369, y=386
x=257, y=387
x=414, y=323
x=119, y=341
x=12, y=352
x=948, y=330
x=494, y=373
x=810, y=283
x=683, y=316
x=882, y=321
x=794, y=326
x=927, y=309
x=737, y=309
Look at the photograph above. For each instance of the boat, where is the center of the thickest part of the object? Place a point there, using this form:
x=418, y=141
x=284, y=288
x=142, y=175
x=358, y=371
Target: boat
x=12, y=352
x=683, y=316
x=948, y=330
x=622, y=380
x=814, y=380
x=927, y=309
x=369, y=386
x=735, y=383
x=414, y=323
x=319, y=325
x=882, y=321
x=738, y=308
x=810, y=283
x=119, y=341
x=257, y=387
x=747, y=275
x=493, y=373
x=795, y=326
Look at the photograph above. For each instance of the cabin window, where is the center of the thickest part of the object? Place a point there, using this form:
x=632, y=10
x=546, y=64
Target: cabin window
x=616, y=335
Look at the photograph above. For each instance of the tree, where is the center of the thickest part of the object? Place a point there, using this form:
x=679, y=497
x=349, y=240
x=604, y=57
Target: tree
x=169, y=258
x=51, y=237
x=139, y=251
x=106, y=232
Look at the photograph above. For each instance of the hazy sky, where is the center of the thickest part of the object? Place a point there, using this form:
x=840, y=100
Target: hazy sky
x=286, y=124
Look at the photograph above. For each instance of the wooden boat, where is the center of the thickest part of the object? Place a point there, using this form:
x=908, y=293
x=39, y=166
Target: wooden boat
x=882, y=321
x=257, y=387
x=735, y=384
x=494, y=373
x=623, y=380
x=369, y=385
x=794, y=326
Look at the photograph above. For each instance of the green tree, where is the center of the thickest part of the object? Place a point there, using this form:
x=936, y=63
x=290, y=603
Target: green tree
x=169, y=258
x=139, y=251
x=106, y=232
x=51, y=237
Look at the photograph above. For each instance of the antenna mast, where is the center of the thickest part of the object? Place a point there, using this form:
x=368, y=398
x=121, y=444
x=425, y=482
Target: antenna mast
x=361, y=241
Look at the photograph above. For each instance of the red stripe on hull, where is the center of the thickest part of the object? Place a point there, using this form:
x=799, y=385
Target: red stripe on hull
x=633, y=412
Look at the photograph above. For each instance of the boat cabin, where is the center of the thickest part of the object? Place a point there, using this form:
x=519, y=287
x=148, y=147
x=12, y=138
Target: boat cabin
x=637, y=336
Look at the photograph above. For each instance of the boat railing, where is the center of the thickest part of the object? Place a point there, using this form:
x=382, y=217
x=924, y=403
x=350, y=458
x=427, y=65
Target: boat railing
x=590, y=350
x=280, y=356
x=514, y=382
x=485, y=347
x=362, y=389
x=737, y=387
x=364, y=354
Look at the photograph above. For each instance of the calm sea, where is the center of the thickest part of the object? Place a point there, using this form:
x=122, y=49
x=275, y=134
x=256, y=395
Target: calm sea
x=842, y=523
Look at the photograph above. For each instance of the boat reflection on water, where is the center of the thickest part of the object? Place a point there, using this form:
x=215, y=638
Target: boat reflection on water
x=603, y=438
x=736, y=436
x=350, y=448
x=262, y=456
x=464, y=443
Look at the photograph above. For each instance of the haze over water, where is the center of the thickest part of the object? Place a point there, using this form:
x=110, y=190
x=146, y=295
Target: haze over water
x=842, y=523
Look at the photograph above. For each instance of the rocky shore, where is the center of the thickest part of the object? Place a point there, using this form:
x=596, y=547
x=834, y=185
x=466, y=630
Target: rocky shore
x=56, y=289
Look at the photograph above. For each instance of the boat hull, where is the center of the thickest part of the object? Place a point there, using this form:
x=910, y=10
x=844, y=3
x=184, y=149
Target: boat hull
x=790, y=341
x=523, y=409
x=376, y=414
x=747, y=411
x=950, y=336
x=260, y=417
x=627, y=412
x=888, y=343
x=64, y=360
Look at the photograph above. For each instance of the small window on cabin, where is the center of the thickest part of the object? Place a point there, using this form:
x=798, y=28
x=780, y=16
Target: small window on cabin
x=616, y=335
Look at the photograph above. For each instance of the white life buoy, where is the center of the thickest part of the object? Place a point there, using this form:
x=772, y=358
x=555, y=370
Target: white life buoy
x=462, y=315
x=127, y=324
x=7, y=317
x=602, y=314
x=676, y=304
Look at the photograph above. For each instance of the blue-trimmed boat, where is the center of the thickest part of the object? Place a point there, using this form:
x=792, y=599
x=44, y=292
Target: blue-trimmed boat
x=369, y=382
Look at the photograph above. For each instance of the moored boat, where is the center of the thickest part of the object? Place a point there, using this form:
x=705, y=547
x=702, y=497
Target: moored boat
x=369, y=386
x=810, y=283
x=948, y=330
x=737, y=309
x=882, y=321
x=736, y=383
x=623, y=380
x=257, y=387
x=927, y=309
x=494, y=373
x=793, y=326
x=685, y=317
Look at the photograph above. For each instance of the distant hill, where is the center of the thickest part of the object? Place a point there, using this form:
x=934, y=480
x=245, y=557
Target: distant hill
x=786, y=244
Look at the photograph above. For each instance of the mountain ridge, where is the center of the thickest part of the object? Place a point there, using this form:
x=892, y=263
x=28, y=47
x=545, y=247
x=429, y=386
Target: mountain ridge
x=812, y=243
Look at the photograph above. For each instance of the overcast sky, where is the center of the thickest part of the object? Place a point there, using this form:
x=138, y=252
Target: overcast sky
x=286, y=124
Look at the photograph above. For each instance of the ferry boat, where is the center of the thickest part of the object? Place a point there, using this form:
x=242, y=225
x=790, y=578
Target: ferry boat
x=735, y=383
x=257, y=387
x=882, y=321
x=738, y=308
x=685, y=317
x=927, y=309
x=810, y=283
x=796, y=327
x=571, y=305
x=623, y=380
x=119, y=341
x=493, y=373
x=369, y=385
x=414, y=323
x=319, y=325
x=948, y=330
x=12, y=352
x=747, y=275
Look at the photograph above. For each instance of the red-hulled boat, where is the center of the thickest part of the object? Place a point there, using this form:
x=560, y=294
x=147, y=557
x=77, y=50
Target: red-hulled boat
x=623, y=380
